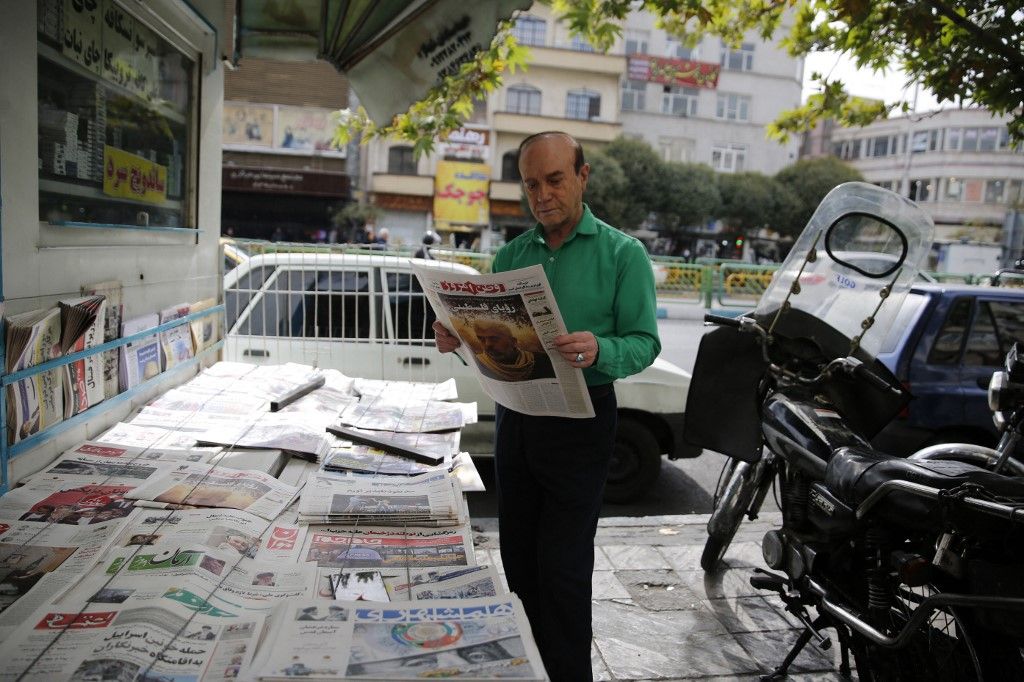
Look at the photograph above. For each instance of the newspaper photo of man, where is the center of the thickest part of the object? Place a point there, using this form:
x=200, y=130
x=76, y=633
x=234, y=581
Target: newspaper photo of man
x=501, y=357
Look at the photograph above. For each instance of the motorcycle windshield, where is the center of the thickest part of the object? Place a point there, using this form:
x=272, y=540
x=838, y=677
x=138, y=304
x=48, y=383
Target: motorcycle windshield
x=860, y=240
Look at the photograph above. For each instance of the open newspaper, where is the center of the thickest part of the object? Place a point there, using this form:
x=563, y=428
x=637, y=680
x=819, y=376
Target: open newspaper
x=373, y=547
x=432, y=499
x=507, y=323
x=111, y=291
x=473, y=639
x=110, y=641
x=81, y=327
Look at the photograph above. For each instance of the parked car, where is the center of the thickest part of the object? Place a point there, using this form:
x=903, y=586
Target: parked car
x=945, y=343
x=365, y=315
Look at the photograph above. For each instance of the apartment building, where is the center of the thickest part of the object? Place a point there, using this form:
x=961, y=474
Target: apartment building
x=957, y=164
x=708, y=103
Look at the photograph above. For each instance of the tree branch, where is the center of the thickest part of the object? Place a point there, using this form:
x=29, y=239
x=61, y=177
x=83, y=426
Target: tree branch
x=978, y=32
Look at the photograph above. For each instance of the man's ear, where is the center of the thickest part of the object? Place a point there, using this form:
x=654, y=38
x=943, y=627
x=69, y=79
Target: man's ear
x=584, y=174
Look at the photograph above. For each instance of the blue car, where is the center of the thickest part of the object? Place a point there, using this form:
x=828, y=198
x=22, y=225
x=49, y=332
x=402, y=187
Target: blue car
x=944, y=345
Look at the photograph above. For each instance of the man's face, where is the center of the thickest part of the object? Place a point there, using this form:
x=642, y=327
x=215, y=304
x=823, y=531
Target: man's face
x=498, y=344
x=553, y=188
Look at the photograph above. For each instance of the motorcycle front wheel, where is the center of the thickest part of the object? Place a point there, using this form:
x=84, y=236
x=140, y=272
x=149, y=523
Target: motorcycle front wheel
x=948, y=647
x=732, y=501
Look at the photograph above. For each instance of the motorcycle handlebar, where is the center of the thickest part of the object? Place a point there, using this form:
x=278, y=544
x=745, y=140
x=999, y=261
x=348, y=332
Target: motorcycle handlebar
x=722, y=320
x=873, y=379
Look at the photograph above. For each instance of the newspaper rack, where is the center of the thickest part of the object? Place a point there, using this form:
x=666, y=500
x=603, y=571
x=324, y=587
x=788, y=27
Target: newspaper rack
x=8, y=451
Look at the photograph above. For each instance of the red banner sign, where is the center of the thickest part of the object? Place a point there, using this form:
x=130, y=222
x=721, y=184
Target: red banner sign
x=644, y=67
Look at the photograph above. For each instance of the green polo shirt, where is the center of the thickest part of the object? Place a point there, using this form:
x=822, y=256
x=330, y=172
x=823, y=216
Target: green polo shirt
x=603, y=282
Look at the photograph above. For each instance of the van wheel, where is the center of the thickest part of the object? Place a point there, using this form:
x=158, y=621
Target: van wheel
x=636, y=461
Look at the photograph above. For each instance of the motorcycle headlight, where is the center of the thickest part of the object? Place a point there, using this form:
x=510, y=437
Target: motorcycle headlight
x=996, y=390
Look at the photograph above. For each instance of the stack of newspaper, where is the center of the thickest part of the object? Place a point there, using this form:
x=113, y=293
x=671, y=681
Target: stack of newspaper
x=37, y=402
x=432, y=499
x=81, y=322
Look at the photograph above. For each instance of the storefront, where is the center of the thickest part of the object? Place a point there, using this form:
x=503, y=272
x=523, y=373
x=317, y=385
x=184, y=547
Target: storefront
x=281, y=204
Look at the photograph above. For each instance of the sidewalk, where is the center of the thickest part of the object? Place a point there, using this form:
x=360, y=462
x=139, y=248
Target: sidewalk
x=657, y=616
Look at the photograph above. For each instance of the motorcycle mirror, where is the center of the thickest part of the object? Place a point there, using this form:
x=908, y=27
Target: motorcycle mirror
x=867, y=244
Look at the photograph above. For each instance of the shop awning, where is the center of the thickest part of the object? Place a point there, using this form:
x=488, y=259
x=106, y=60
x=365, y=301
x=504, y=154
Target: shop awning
x=392, y=52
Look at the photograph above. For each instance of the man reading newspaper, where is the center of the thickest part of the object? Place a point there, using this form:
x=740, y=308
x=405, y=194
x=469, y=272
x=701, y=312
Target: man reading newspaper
x=551, y=470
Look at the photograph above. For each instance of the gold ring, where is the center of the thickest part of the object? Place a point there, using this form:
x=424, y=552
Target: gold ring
x=579, y=357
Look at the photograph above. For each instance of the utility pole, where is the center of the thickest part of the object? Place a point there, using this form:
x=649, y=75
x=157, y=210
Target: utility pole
x=908, y=151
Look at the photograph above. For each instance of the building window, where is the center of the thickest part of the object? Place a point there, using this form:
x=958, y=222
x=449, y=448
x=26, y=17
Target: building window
x=510, y=167
x=523, y=99
x=880, y=146
x=529, y=30
x=884, y=184
x=921, y=190
x=953, y=139
x=676, y=50
x=973, y=190
x=401, y=161
x=738, y=60
x=676, y=149
x=919, y=143
x=733, y=107
x=995, y=191
x=636, y=41
x=580, y=44
x=1004, y=138
x=634, y=95
x=583, y=105
x=679, y=101
x=117, y=141
x=970, y=140
x=479, y=114
x=728, y=158
x=954, y=189
x=1014, y=196
x=988, y=138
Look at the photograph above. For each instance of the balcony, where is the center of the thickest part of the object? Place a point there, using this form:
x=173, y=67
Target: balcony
x=576, y=60
x=584, y=131
x=416, y=185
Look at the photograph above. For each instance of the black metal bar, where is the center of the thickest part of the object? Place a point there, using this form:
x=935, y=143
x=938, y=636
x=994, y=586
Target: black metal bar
x=296, y=393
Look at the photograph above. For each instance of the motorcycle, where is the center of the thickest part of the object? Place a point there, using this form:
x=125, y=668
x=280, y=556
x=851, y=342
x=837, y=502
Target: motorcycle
x=915, y=563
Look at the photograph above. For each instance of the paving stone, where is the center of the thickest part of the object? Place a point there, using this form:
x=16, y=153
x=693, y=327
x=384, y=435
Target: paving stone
x=607, y=586
x=601, y=672
x=635, y=557
x=769, y=648
x=601, y=562
x=685, y=558
x=747, y=614
x=658, y=590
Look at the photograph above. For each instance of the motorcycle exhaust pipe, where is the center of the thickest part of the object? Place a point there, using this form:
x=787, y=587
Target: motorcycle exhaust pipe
x=917, y=617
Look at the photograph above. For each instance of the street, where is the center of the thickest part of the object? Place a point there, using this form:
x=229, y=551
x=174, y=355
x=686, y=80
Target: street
x=684, y=486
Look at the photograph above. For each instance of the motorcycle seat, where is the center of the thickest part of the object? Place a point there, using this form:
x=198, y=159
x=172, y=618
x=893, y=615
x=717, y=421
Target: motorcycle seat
x=853, y=473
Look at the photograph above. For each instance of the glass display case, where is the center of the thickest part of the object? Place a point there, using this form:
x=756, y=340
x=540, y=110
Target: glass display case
x=117, y=119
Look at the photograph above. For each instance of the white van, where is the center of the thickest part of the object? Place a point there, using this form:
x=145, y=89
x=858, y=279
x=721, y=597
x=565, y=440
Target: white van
x=365, y=315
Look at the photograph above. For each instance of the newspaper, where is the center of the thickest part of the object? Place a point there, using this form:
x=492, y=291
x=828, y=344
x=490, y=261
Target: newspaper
x=140, y=360
x=406, y=390
x=128, y=454
x=206, y=485
x=275, y=431
x=424, y=500
x=36, y=402
x=82, y=469
x=212, y=581
x=366, y=459
x=472, y=639
x=121, y=642
x=517, y=314
x=66, y=501
x=150, y=437
x=380, y=413
x=379, y=547
x=39, y=563
x=445, y=582
x=81, y=322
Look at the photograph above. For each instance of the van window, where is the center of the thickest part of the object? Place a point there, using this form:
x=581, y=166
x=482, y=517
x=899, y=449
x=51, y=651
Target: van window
x=331, y=304
x=411, y=314
x=997, y=325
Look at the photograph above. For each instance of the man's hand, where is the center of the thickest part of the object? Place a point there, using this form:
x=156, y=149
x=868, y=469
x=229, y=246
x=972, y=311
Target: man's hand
x=581, y=345
x=446, y=341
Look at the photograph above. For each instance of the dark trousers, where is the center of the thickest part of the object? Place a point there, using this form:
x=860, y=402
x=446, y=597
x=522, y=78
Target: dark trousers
x=550, y=475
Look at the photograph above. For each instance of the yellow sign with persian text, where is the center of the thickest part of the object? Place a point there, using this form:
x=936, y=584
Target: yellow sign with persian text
x=460, y=193
x=128, y=176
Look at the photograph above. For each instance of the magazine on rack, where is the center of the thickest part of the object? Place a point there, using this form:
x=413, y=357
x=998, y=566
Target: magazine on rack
x=111, y=291
x=111, y=641
x=140, y=360
x=176, y=343
x=81, y=327
x=471, y=639
x=205, y=330
x=36, y=402
x=507, y=322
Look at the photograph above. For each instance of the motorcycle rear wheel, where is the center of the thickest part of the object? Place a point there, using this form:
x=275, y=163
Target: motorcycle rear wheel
x=948, y=647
